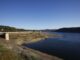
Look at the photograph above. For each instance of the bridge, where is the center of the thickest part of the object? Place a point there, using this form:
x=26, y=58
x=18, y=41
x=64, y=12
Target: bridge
x=6, y=34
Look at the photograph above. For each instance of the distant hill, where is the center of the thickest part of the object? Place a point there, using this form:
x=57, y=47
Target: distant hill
x=72, y=29
x=14, y=29
x=10, y=29
x=48, y=30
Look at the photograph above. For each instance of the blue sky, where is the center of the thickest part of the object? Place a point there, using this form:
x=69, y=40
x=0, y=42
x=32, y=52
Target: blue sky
x=40, y=14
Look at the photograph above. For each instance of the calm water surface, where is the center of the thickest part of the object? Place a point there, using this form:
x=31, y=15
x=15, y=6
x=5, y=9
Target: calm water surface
x=66, y=47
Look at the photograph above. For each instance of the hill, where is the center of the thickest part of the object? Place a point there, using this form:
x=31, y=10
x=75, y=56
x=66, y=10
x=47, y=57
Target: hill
x=10, y=29
x=72, y=29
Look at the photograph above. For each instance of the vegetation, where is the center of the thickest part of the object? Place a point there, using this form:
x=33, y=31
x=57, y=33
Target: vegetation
x=72, y=29
x=4, y=28
x=29, y=37
x=13, y=29
x=9, y=29
x=13, y=50
x=21, y=53
x=6, y=54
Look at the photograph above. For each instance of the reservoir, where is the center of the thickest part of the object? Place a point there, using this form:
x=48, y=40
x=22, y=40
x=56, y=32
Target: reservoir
x=66, y=47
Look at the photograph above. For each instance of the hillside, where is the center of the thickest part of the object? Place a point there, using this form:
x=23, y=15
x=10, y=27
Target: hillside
x=9, y=29
x=72, y=29
x=69, y=29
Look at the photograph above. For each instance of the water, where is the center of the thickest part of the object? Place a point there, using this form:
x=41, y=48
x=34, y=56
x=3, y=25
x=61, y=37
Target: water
x=66, y=47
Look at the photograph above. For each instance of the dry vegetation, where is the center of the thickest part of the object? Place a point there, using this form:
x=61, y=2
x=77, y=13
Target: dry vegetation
x=21, y=53
x=29, y=37
x=9, y=50
x=7, y=54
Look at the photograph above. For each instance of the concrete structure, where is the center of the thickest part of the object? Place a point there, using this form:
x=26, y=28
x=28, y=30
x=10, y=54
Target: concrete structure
x=7, y=36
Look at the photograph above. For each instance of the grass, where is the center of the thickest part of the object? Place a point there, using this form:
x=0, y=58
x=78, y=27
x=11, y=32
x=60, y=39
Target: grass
x=29, y=37
x=6, y=54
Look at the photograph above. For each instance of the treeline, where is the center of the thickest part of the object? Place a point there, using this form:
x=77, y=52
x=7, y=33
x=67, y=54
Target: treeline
x=72, y=29
x=13, y=29
x=9, y=29
x=48, y=30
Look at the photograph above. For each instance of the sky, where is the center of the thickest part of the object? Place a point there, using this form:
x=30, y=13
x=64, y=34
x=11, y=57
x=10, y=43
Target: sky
x=40, y=14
